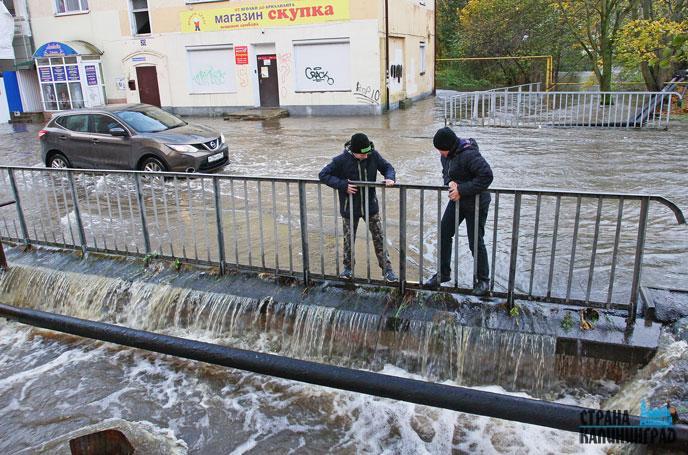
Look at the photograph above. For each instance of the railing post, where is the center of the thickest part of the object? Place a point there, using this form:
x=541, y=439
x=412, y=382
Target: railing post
x=402, y=240
x=638, y=264
x=218, y=222
x=77, y=213
x=304, y=232
x=142, y=212
x=3, y=259
x=514, y=249
x=668, y=115
x=20, y=212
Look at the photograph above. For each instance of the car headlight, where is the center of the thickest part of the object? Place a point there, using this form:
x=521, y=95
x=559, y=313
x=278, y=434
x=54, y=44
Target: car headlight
x=222, y=138
x=183, y=148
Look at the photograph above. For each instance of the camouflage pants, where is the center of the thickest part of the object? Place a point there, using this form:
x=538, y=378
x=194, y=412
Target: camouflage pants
x=375, y=226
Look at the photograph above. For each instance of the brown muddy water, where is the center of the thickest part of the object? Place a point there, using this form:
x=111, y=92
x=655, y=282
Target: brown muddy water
x=52, y=384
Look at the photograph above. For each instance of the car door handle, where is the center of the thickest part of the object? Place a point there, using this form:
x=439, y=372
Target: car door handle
x=64, y=138
x=95, y=141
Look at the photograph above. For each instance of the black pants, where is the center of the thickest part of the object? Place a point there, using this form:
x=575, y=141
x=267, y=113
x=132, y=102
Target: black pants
x=449, y=229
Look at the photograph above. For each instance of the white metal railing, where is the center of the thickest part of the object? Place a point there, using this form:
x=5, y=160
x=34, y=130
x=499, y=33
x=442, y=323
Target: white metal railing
x=522, y=109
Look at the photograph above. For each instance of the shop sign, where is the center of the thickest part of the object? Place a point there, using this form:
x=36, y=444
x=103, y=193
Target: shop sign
x=59, y=74
x=54, y=49
x=45, y=74
x=275, y=13
x=241, y=55
x=91, y=76
x=73, y=72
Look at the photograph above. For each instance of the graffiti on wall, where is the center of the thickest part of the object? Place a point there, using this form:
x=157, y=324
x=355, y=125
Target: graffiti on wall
x=366, y=94
x=208, y=77
x=242, y=75
x=284, y=72
x=318, y=74
x=396, y=72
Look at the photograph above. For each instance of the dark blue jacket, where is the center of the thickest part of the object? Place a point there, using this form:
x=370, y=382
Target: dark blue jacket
x=345, y=167
x=467, y=167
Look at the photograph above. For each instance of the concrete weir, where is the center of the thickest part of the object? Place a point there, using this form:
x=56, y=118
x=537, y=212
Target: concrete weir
x=441, y=335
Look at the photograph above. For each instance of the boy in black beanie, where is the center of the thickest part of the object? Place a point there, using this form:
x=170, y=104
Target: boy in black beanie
x=467, y=174
x=360, y=162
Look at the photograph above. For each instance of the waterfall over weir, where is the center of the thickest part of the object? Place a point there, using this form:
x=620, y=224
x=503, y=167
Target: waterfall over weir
x=437, y=336
x=438, y=349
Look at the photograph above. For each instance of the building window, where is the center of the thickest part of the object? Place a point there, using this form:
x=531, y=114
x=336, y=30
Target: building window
x=322, y=66
x=140, y=18
x=211, y=69
x=422, y=58
x=70, y=6
x=60, y=80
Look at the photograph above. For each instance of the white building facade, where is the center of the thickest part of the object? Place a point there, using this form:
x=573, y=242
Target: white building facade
x=312, y=57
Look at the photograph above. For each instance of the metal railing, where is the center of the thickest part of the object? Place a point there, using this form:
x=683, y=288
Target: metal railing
x=3, y=259
x=523, y=109
x=576, y=248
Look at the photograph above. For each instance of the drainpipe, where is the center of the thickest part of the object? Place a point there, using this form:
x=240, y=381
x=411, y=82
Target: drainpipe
x=387, y=54
x=434, y=48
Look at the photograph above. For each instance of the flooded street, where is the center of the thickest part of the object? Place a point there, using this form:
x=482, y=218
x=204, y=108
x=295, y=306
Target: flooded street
x=613, y=160
x=52, y=384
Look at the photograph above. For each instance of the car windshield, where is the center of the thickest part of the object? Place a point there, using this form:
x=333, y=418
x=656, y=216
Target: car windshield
x=150, y=120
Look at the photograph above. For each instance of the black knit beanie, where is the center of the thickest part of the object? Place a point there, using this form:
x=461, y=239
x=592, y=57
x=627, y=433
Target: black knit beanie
x=359, y=143
x=445, y=139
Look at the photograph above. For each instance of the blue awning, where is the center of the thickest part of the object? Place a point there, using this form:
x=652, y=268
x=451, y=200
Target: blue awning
x=58, y=49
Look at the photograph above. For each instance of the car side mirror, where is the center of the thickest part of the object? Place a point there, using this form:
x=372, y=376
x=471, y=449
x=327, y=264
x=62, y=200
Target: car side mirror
x=119, y=132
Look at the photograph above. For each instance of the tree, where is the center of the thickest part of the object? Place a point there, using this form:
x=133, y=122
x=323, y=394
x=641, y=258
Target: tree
x=595, y=24
x=656, y=40
x=657, y=47
x=514, y=28
x=447, y=17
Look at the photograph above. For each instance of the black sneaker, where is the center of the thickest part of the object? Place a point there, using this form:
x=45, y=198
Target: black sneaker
x=390, y=276
x=346, y=273
x=482, y=288
x=433, y=282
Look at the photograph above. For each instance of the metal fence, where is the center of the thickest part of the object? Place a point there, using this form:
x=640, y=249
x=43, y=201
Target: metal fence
x=576, y=248
x=522, y=109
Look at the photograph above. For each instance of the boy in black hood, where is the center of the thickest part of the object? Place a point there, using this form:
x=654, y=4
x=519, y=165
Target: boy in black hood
x=360, y=162
x=467, y=173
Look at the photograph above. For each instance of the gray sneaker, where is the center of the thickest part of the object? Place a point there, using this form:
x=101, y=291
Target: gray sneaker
x=435, y=281
x=482, y=288
x=390, y=276
x=346, y=274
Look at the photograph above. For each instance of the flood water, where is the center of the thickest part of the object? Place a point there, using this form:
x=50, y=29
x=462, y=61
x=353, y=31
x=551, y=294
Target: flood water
x=52, y=384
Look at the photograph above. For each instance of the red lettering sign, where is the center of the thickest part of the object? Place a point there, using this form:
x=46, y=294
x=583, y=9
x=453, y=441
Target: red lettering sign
x=241, y=55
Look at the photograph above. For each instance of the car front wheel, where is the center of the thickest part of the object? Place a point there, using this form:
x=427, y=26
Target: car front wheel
x=58, y=161
x=153, y=164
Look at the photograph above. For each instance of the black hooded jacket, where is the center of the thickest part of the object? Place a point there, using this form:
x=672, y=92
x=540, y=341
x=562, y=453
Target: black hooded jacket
x=467, y=167
x=345, y=167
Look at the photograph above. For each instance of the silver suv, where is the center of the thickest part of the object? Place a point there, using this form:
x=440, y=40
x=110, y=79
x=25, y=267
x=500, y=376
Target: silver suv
x=131, y=136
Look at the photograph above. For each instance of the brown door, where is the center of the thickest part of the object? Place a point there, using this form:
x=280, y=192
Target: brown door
x=148, y=85
x=267, y=80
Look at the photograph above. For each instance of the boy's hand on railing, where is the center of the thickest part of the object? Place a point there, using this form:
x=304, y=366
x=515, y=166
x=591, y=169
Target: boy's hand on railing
x=388, y=182
x=454, y=191
x=351, y=189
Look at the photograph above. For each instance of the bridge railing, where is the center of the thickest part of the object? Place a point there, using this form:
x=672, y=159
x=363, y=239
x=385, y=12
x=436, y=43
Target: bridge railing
x=522, y=109
x=577, y=248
